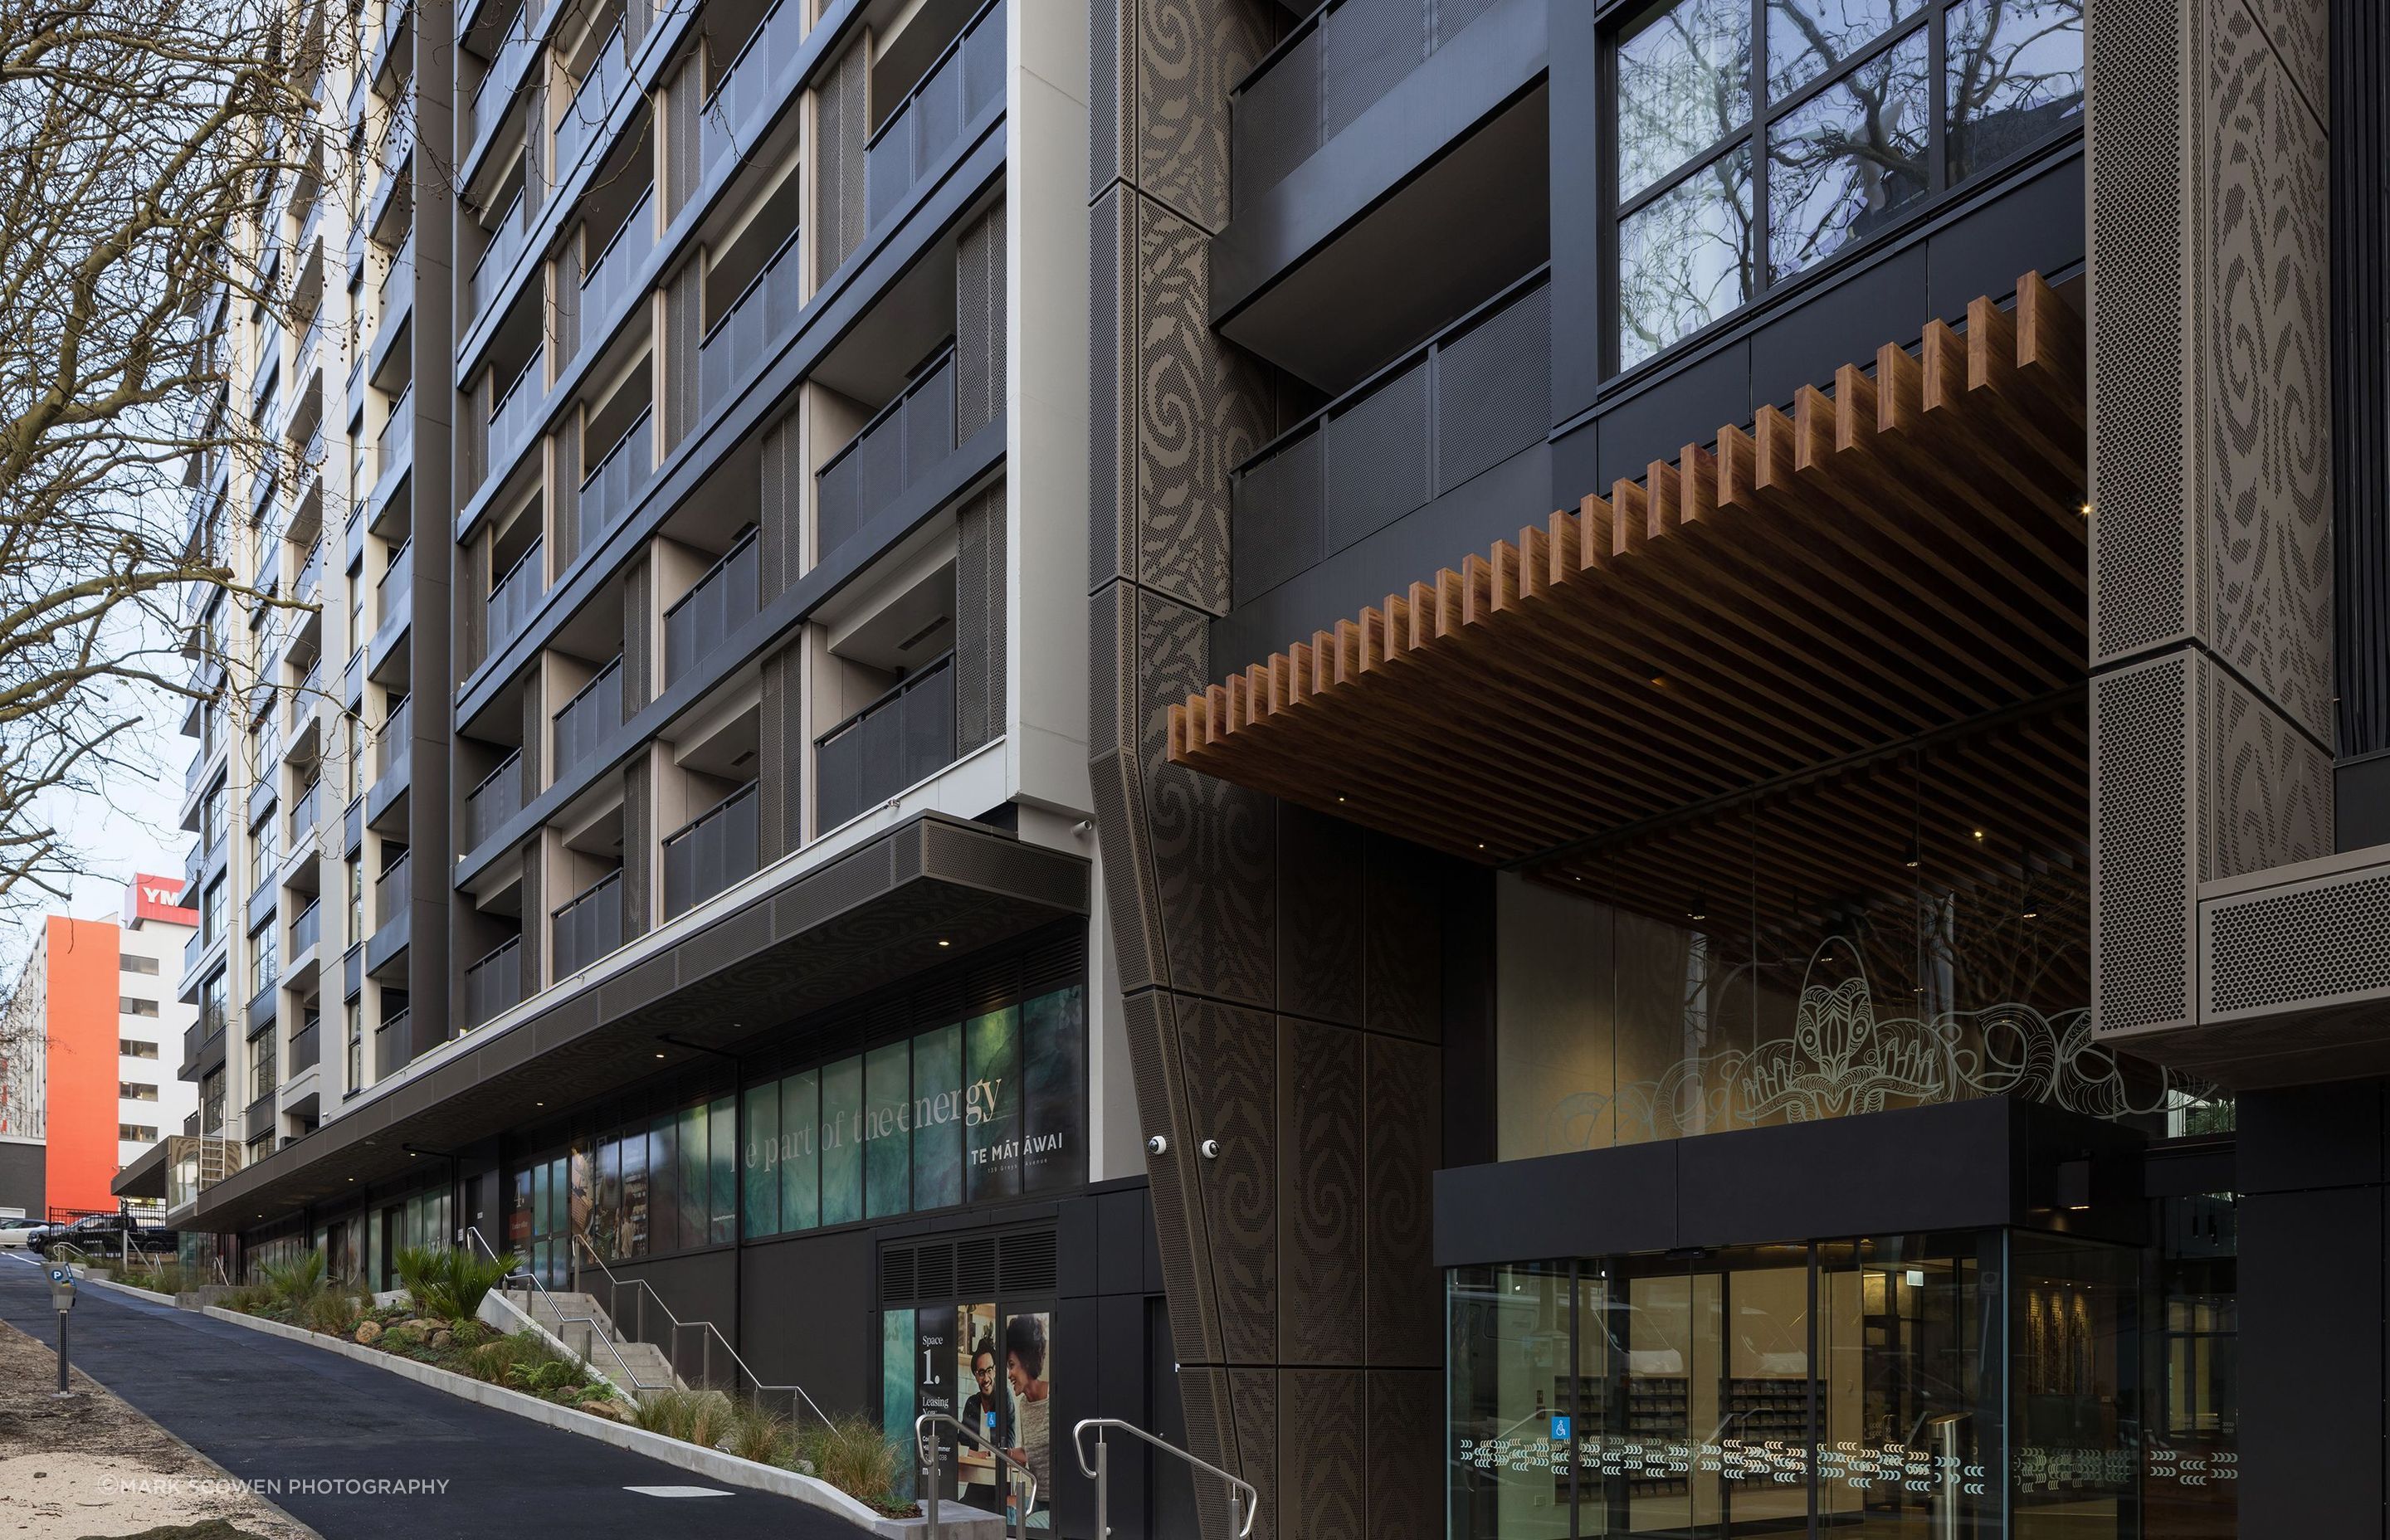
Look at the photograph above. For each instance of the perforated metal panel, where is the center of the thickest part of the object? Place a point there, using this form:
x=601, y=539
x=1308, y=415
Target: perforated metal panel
x=683, y=330
x=839, y=134
x=639, y=847
x=1453, y=15
x=564, y=533
x=1377, y=458
x=979, y=621
x=2322, y=941
x=1493, y=389
x=638, y=635
x=978, y=324
x=779, y=536
x=2140, y=358
x=1277, y=121
x=1277, y=528
x=1371, y=45
x=2141, y=846
x=684, y=168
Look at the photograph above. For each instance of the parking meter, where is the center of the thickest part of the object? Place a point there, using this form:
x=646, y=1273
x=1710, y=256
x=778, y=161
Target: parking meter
x=62, y=1299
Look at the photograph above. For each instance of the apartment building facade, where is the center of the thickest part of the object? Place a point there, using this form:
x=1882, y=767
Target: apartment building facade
x=1823, y=985
x=89, y=1029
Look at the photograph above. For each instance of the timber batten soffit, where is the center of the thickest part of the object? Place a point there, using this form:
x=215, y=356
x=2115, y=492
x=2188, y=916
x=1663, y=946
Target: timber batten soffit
x=1899, y=554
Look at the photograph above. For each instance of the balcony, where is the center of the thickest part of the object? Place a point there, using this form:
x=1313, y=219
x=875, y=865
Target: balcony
x=609, y=491
x=702, y=619
x=307, y=930
x=581, y=723
x=393, y=891
x=967, y=79
x=1362, y=462
x=751, y=330
x=1326, y=71
x=515, y=595
x=607, y=283
x=269, y=359
x=905, y=736
x=507, y=240
x=909, y=435
x=493, y=984
x=517, y=417
x=310, y=575
x=259, y=1121
x=588, y=925
x=260, y=1013
x=497, y=798
x=392, y=589
x=710, y=851
x=307, y=812
x=505, y=77
x=390, y=743
x=391, y=1049
x=396, y=442
x=306, y=1049
x=745, y=89
x=585, y=119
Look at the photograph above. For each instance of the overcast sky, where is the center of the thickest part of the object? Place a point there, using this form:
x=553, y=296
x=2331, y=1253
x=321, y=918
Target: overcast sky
x=132, y=827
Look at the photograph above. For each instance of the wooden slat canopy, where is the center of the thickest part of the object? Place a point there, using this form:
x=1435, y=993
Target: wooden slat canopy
x=1896, y=555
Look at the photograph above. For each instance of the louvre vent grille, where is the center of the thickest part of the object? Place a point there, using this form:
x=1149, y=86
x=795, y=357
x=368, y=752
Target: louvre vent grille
x=1008, y=1267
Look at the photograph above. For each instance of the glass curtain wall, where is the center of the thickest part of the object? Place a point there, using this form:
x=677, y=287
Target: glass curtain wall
x=1898, y=1387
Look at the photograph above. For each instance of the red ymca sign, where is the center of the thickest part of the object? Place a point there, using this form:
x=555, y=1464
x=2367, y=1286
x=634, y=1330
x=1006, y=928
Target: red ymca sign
x=158, y=898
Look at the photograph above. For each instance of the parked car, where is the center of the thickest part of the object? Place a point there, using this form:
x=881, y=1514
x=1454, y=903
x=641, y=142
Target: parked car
x=100, y=1235
x=13, y=1231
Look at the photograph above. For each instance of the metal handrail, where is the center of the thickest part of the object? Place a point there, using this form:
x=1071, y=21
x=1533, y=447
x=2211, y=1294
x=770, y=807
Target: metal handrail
x=756, y=1380
x=1100, y=1472
x=927, y=1448
x=597, y=1332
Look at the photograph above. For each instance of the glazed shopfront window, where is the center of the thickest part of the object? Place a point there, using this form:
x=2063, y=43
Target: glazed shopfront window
x=1899, y=933
x=1756, y=138
x=1901, y=1387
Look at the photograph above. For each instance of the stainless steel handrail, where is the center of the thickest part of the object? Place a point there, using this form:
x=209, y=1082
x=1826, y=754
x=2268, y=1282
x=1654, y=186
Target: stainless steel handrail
x=597, y=1332
x=714, y=1333
x=927, y=1448
x=1248, y=1506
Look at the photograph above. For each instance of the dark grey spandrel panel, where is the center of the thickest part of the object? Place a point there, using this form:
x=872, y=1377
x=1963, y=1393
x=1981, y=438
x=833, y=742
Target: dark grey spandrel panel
x=1128, y=885
x=1229, y=1072
x=803, y=1299
x=1589, y=1203
x=1322, y=1207
x=1402, y=956
x=1495, y=506
x=1210, y=1435
x=1187, y=54
x=1318, y=925
x=2313, y=1135
x=1406, y=1452
x=2035, y=225
x=1278, y=529
x=1845, y=323
x=1377, y=453
x=638, y=848
x=1322, y=1469
x=1123, y=1228
x=2311, y=1440
x=2359, y=132
x=1656, y=421
x=1403, y=1113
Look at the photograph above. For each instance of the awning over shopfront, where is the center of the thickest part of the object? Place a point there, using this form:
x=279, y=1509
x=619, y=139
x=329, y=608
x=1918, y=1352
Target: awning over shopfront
x=929, y=889
x=1894, y=558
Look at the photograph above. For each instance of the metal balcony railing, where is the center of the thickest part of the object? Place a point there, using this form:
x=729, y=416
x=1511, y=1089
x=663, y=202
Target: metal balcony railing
x=390, y=743
x=269, y=358
x=397, y=438
x=508, y=239
x=582, y=723
x=1421, y=426
x=311, y=575
x=392, y=1049
x=1330, y=67
x=515, y=420
x=260, y=1119
x=609, y=490
x=307, y=929
x=394, y=889
x=588, y=925
x=396, y=582
x=909, y=435
x=905, y=736
x=306, y=813
x=306, y=1046
x=494, y=984
x=719, y=603
x=712, y=851
x=745, y=87
x=514, y=595
x=506, y=74
x=607, y=283
x=497, y=798
x=751, y=329
x=967, y=79
x=591, y=102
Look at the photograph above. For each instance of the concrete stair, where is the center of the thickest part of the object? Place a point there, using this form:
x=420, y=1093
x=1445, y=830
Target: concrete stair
x=578, y=1322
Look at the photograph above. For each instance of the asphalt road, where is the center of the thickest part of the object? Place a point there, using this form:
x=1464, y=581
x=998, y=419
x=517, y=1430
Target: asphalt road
x=328, y=1432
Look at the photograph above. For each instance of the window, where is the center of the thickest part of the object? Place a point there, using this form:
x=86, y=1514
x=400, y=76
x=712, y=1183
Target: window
x=211, y=816
x=212, y=915
x=133, y=1048
x=357, y=1065
x=261, y=856
x=1756, y=138
x=133, y=1090
x=211, y=1103
x=213, y=998
x=356, y=894
x=126, y=962
x=261, y=1063
x=263, y=967
x=134, y=1133
x=133, y=1005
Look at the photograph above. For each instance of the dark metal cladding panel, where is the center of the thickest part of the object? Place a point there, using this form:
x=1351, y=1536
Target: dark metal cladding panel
x=1318, y=924
x=1378, y=459
x=1174, y=1180
x=533, y=950
x=1322, y=1465
x=1278, y=515
x=851, y=879
x=638, y=848
x=990, y=860
x=1322, y=1214
x=1487, y=408
x=2360, y=364
x=1253, y=1406
x=978, y=324
x=1404, y=1116
x=1228, y=1064
x=638, y=635
x=1404, y=977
